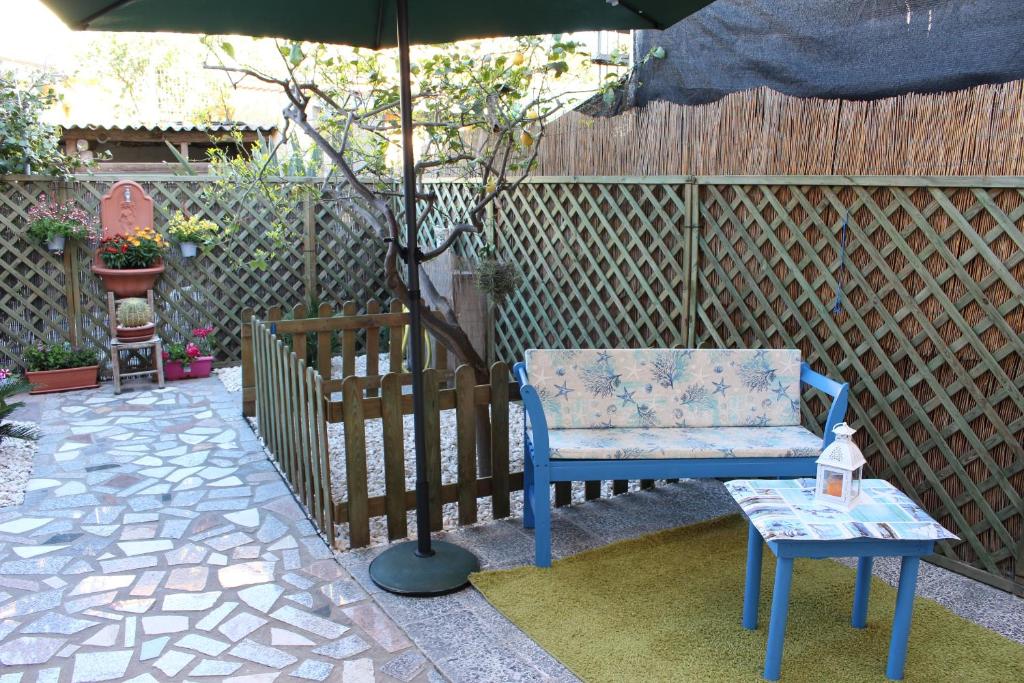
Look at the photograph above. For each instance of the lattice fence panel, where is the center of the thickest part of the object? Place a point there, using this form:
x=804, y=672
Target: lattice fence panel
x=929, y=334
x=349, y=254
x=33, y=287
x=605, y=265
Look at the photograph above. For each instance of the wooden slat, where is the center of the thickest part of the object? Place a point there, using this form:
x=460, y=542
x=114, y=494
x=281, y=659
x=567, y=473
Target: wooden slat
x=395, y=342
x=432, y=443
x=348, y=342
x=393, y=430
x=372, y=346
x=299, y=340
x=323, y=343
x=499, y=439
x=323, y=458
x=465, y=419
x=355, y=465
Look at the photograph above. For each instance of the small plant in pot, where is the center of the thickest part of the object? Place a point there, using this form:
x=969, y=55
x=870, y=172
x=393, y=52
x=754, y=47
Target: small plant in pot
x=54, y=224
x=134, y=320
x=61, y=367
x=131, y=262
x=191, y=358
x=191, y=231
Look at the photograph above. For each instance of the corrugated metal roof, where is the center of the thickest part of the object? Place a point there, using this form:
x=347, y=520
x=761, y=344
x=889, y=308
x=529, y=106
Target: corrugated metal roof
x=171, y=127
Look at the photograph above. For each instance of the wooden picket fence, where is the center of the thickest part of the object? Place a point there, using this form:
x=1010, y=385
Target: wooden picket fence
x=291, y=398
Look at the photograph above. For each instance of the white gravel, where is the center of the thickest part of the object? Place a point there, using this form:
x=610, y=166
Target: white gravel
x=232, y=380
x=16, y=458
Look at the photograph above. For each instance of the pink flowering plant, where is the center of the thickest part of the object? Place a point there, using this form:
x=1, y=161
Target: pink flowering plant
x=50, y=218
x=187, y=351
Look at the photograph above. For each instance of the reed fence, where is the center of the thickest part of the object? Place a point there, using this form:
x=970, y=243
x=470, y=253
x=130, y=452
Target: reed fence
x=971, y=132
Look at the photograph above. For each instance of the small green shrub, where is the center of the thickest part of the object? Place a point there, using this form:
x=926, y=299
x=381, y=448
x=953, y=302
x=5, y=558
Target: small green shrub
x=10, y=386
x=59, y=357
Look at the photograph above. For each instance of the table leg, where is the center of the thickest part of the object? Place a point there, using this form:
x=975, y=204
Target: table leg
x=861, y=592
x=901, y=619
x=752, y=589
x=777, y=624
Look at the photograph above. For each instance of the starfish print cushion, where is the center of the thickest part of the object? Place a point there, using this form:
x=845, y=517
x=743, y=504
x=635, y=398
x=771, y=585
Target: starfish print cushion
x=652, y=388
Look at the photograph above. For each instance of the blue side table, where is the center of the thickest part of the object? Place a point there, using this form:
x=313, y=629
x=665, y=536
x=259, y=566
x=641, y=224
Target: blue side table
x=885, y=523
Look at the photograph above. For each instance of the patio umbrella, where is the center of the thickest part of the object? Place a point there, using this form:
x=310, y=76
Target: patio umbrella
x=415, y=567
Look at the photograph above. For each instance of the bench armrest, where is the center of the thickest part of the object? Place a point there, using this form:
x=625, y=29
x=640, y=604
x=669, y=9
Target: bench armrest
x=536, y=425
x=839, y=391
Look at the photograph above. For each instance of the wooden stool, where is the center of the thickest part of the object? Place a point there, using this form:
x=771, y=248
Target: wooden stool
x=117, y=346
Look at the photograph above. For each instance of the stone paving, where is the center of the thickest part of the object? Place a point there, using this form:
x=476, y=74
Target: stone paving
x=157, y=543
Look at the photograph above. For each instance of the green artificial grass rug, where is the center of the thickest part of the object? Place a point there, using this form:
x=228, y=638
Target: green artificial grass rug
x=667, y=607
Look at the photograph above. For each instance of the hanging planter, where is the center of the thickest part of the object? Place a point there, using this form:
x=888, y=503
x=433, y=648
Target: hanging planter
x=129, y=264
x=56, y=243
x=191, y=231
x=53, y=224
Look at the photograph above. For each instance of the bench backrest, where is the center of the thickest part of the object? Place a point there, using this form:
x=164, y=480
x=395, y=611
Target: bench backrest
x=599, y=388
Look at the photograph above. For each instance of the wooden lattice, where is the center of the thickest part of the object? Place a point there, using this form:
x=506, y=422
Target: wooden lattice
x=605, y=265
x=929, y=332
x=325, y=254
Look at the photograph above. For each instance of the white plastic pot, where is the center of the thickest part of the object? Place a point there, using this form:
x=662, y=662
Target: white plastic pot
x=56, y=243
x=188, y=249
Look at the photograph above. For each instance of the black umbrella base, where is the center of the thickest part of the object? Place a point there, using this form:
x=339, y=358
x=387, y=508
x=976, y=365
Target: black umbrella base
x=400, y=570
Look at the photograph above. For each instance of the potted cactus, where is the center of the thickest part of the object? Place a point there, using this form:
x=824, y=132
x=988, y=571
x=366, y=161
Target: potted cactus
x=134, y=320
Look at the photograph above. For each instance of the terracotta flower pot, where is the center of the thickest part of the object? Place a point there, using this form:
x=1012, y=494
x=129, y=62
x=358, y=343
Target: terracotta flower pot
x=136, y=334
x=128, y=281
x=199, y=367
x=48, y=381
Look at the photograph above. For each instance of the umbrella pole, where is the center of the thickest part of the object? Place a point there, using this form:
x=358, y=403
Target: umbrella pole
x=420, y=567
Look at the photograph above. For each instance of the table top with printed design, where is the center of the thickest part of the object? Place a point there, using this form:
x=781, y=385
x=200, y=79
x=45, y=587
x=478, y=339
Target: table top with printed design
x=785, y=510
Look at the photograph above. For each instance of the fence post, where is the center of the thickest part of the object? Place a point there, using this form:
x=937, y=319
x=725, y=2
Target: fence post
x=71, y=285
x=465, y=419
x=355, y=461
x=309, y=274
x=248, y=365
x=693, y=260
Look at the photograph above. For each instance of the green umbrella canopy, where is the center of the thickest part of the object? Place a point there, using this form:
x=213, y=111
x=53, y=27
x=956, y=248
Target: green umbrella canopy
x=371, y=23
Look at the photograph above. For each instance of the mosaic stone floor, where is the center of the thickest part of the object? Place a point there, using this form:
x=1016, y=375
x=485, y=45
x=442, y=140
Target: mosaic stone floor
x=157, y=543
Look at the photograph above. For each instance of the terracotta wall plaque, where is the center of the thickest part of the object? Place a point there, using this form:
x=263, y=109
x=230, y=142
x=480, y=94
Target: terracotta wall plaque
x=125, y=207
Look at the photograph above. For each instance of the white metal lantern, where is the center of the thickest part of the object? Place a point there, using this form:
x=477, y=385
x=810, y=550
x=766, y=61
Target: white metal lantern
x=840, y=468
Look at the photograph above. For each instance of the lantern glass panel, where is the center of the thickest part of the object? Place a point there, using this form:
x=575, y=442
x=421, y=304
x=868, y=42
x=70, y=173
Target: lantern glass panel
x=856, y=484
x=833, y=483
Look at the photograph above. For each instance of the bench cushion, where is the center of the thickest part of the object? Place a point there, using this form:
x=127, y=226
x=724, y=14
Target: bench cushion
x=681, y=442
x=602, y=388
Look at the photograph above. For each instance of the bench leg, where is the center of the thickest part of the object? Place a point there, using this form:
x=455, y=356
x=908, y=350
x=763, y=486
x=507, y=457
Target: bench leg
x=752, y=590
x=529, y=492
x=861, y=592
x=780, y=613
x=542, y=517
x=901, y=619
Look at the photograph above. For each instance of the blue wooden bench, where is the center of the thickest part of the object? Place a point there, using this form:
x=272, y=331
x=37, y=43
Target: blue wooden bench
x=599, y=414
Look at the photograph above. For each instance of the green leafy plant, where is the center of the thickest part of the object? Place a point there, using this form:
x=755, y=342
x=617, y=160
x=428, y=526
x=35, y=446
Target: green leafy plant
x=134, y=312
x=139, y=249
x=11, y=385
x=184, y=228
x=27, y=143
x=61, y=356
x=185, y=352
